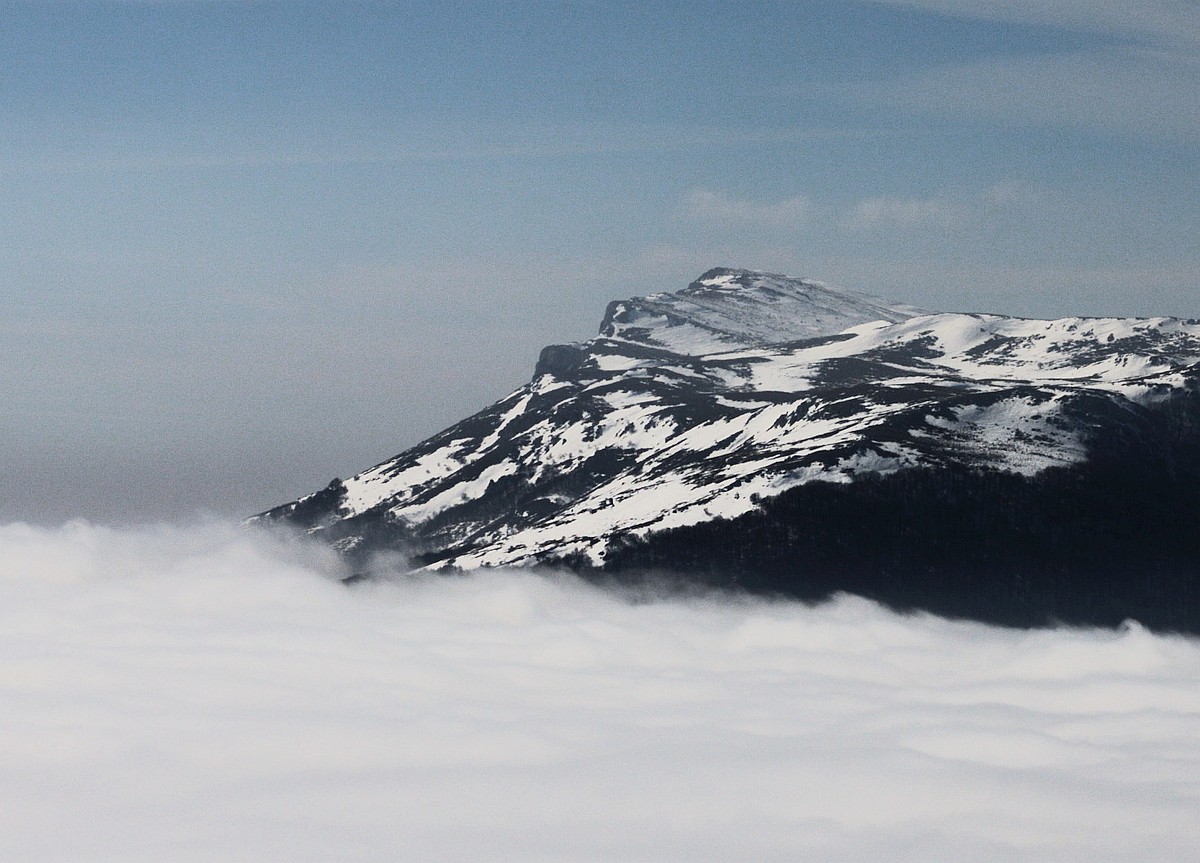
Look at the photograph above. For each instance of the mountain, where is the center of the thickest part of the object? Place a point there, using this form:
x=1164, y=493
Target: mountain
x=783, y=436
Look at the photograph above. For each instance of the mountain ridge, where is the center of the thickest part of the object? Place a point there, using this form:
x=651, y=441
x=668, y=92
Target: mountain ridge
x=702, y=406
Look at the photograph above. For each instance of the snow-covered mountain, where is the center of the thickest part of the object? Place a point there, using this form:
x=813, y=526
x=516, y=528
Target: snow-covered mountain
x=700, y=418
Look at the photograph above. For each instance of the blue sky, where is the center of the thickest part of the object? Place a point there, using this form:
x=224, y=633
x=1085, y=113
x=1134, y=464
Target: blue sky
x=249, y=246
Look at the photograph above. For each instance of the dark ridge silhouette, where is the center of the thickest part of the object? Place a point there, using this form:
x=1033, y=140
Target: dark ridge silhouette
x=1094, y=544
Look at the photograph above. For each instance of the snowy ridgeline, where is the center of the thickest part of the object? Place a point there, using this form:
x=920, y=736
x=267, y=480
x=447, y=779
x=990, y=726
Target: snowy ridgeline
x=211, y=694
x=744, y=389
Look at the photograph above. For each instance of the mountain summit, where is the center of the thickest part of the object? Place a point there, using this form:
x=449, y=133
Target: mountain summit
x=784, y=436
x=727, y=308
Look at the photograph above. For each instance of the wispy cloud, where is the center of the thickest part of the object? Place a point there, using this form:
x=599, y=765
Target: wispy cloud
x=1143, y=81
x=355, y=140
x=896, y=213
x=1163, y=21
x=1130, y=93
x=883, y=212
x=709, y=206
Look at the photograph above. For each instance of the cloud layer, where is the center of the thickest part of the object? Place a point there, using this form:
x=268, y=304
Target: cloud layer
x=204, y=693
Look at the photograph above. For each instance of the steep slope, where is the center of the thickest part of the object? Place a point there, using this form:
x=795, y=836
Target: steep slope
x=690, y=411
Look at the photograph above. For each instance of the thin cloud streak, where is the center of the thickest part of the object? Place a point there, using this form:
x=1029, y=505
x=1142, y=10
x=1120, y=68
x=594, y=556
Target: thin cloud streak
x=889, y=213
x=550, y=143
x=709, y=206
x=1114, y=92
x=901, y=213
x=1163, y=21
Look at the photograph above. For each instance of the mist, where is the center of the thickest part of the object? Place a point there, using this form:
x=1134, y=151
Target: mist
x=208, y=692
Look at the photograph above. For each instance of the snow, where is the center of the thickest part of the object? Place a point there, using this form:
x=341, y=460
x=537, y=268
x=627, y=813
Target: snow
x=735, y=308
x=739, y=407
x=459, y=493
x=1017, y=435
x=1014, y=434
x=1045, y=352
x=522, y=402
x=384, y=481
x=400, y=483
x=618, y=363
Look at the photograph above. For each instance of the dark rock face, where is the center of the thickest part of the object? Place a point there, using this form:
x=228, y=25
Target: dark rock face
x=1115, y=538
x=779, y=436
x=560, y=361
x=315, y=511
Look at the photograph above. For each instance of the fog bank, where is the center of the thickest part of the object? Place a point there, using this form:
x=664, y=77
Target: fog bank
x=208, y=693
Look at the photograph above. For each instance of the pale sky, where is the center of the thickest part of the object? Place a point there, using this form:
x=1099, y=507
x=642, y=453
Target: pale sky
x=250, y=246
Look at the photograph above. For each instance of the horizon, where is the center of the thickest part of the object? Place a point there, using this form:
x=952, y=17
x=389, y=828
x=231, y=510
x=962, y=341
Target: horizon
x=253, y=246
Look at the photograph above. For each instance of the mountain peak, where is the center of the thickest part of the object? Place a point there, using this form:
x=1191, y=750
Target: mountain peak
x=735, y=279
x=720, y=277
x=727, y=309
x=775, y=434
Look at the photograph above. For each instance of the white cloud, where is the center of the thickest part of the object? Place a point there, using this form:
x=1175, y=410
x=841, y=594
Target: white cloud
x=716, y=207
x=893, y=213
x=206, y=694
x=1164, y=21
x=1130, y=93
x=1144, y=83
x=889, y=213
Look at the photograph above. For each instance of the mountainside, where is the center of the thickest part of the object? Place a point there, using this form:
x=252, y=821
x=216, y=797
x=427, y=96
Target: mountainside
x=789, y=437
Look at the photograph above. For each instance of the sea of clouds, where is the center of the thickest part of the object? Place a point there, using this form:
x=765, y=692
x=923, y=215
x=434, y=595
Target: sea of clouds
x=209, y=693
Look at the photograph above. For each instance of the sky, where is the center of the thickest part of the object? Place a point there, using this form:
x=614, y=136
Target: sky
x=210, y=693
x=246, y=247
